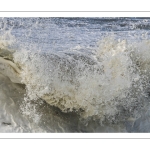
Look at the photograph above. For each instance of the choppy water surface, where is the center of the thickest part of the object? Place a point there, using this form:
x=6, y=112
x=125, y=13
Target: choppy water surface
x=74, y=74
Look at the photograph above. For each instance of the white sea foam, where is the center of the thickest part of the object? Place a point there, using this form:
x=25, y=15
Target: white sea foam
x=102, y=84
x=57, y=61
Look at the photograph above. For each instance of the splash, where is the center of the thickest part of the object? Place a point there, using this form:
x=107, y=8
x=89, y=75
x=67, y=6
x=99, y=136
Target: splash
x=103, y=84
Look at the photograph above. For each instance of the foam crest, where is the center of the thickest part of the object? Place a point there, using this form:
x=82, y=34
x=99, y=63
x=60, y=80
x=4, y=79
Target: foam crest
x=101, y=85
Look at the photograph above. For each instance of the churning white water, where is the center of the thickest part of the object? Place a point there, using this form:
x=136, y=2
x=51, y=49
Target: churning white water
x=74, y=75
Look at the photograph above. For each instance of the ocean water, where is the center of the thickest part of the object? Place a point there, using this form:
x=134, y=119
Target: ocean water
x=74, y=75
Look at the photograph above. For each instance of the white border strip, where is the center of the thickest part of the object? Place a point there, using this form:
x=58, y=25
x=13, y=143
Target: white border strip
x=74, y=5
x=74, y=14
x=75, y=135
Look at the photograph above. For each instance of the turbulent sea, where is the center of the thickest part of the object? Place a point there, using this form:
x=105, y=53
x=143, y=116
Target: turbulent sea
x=74, y=75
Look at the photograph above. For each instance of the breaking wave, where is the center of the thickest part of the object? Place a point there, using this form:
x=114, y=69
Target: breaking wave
x=109, y=83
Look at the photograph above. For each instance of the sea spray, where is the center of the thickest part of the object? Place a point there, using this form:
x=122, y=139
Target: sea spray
x=109, y=83
x=103, y=85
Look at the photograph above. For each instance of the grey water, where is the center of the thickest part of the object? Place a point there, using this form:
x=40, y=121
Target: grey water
x=62, y=35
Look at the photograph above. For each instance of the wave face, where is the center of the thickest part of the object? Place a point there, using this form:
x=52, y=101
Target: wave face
x=65, y=83
x=101, y=84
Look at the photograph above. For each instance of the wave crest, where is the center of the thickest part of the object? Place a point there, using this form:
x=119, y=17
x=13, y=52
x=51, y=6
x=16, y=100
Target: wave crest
x=102, y=84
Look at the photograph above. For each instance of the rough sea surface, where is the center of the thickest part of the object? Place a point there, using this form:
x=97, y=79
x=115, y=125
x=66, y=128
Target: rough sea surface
x=74, y=75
